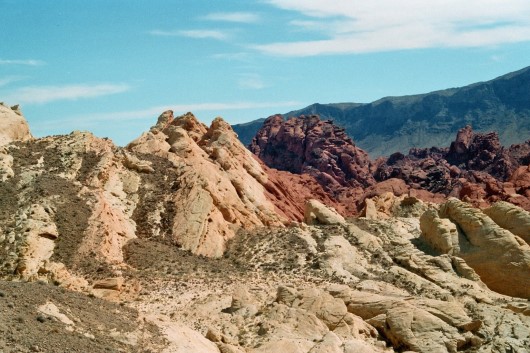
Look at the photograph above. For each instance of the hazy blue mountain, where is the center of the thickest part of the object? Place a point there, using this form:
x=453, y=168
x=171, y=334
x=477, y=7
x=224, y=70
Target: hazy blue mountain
x=393, y=124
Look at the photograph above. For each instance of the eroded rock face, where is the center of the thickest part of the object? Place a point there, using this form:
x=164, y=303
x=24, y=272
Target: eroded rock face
x=511, y=217
x=71, y=203
x=440, y=233
x=500, y=258
x=309, y=145
x=217, y=186
x=289, y=193
x=13, y=126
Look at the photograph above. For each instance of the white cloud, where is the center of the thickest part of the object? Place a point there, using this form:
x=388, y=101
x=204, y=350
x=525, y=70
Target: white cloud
x=359, y=26
x=250, y=81
x=45, y=94
x=197, y=33
x=241, y=56
x=153, y=112
x=238, y=17
x=28, y=62
x=10, y=79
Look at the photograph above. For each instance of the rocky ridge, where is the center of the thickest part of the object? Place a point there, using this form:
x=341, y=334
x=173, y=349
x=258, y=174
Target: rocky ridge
x=207, y=250
x=476, y=167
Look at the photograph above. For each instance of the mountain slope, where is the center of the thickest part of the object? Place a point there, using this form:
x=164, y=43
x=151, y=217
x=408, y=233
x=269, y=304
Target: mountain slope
x=395, y=124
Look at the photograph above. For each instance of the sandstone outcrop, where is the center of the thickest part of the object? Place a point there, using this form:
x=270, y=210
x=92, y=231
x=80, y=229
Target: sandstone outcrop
x=500, y=258
x=511, y=217
x=218, y=187
x=475, y=168
x=13, y=126
x=440, y=233
x=317, y=213
x=71, y=203
x=289, y=193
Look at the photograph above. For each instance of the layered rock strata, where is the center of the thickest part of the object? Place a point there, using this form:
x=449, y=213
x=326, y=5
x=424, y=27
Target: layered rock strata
x=499, y=257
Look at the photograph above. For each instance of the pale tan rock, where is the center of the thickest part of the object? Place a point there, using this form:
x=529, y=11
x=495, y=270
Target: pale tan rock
x=13, y=126
x=220, y=183
x=149, y=142
x=343, y=260
x=318, y=213
x=182, y=339
x=284, y=345
x=39, y=232
x=388, y=204
x=463, y=269
x=501, y=259
x=286, y=295
x=440, y=233
x=109, y=283
x=51, y=310
x=370, y=210
x=134, y=163
x=358, y=346
x=229, y=348
x=110, y=226
x=519, y=307
x=420, y=331
x=6, y=164
x=327, y=308
x=242, y=302
x=510, y=217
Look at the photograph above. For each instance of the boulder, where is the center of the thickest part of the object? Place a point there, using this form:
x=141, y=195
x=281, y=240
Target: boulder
x=318, y=213
x=13, y=126
x=109, y=283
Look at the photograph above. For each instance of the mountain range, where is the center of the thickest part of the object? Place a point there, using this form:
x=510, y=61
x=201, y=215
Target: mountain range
x=394, y=124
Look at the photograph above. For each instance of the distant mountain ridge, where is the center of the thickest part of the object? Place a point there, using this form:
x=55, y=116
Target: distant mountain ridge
x=394, y=124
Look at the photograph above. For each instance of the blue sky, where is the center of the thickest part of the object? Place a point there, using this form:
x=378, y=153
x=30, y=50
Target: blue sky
x=112, y=66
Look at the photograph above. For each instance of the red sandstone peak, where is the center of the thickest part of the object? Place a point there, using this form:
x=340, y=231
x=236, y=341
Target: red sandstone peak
x=312, y=146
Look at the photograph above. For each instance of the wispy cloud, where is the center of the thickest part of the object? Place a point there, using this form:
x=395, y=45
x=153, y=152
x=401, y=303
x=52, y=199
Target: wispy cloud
x=250, y=81
x=241, y=56
x=359, y=26
x=45, y=94
x=238, y=17
x=10, y=79
x=28, y=62
x=194, y=33
x=153, y=112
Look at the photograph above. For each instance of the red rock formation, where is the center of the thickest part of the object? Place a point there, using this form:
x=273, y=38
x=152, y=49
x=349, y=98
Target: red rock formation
x=476, y=167
x=289, y=192
x=308, y=145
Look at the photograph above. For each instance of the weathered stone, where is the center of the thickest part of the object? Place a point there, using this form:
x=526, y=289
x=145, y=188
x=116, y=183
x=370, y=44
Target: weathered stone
x=13, y=126
x=109, y=283
x=511, y=217
x=440, y=233
x=318, y=213
x=501, y=259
